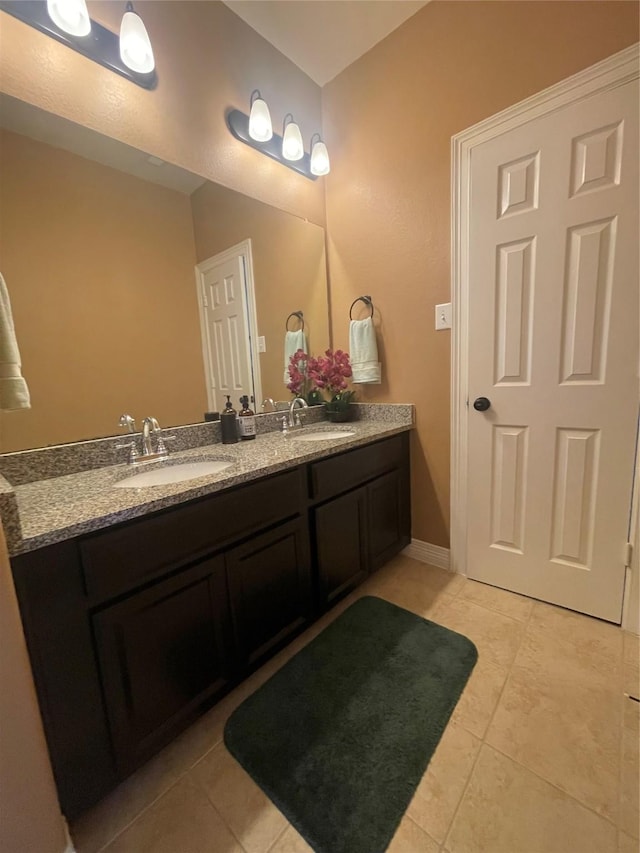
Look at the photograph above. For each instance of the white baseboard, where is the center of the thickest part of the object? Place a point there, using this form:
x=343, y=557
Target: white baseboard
x=69, y=848
x=435, y=555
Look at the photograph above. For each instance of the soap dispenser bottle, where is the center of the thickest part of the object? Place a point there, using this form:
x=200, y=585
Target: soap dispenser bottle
x=229, y=423
x=246, y=420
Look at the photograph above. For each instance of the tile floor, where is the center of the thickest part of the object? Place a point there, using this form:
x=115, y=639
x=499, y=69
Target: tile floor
x=540, y=755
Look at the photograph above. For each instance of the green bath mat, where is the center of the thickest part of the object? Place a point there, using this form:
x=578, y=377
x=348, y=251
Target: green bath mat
x=340, y=737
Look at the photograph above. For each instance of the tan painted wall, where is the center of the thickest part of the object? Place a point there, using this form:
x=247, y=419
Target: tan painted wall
x=289, y=270
x=208, y=61
x=30, y=820
x=388, y=122
x=99, y=266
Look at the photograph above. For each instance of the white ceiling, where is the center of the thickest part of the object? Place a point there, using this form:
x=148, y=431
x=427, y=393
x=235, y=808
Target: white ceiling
x=323, y=37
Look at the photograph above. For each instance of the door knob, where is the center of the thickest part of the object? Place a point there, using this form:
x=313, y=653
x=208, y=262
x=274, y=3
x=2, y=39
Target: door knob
x=481, y=404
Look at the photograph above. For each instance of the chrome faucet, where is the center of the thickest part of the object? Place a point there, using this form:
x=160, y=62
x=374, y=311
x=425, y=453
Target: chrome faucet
x=150, y=428
x=128, y=422
x=294, y=419
x=268, y=401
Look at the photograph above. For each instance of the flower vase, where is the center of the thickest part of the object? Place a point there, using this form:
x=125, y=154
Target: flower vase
x=339, y=409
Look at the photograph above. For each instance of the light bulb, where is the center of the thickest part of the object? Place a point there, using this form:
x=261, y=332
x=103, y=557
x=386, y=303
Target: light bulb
x=71, y=16
x=135, y=47
x=320, y=164
x=292, y=146
x=260, y=127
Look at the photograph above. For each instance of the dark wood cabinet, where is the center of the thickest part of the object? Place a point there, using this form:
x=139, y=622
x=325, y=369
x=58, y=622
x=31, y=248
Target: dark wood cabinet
x=163, y=653
x=389, y=516
x=357, y=532
x=341, y=545
x=135, y=630
x=270, y=590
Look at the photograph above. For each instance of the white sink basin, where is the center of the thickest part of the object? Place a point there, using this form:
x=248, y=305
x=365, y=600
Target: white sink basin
x=173, y=474
x=323, y=435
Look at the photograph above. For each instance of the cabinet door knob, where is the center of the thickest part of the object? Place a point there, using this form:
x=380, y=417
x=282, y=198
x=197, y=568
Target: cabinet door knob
x=481, y=404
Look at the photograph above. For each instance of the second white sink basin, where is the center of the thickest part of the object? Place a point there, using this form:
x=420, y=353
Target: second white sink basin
x=323, y=435
x=173, y=474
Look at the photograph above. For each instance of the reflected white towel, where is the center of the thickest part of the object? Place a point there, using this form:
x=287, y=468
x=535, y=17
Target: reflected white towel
x=14, y=393
x=293, y=341
x=363, y=351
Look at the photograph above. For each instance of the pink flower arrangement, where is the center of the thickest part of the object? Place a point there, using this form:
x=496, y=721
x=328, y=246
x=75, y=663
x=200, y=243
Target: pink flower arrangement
x=327, y=374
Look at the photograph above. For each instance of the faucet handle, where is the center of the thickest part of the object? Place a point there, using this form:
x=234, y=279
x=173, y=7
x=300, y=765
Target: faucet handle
x=161, y=447
x=133, y=450
x=285, y=424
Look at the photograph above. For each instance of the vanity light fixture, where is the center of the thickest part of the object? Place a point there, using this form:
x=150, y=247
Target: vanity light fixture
x=71, y=16
x=260, y=127
x=292, y=145
x=135, y=47
x=287, y=149
x=68, y=21
x=320, y=164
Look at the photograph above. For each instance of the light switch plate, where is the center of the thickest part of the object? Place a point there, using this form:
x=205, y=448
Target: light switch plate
x=262, y=344
x=443, y=316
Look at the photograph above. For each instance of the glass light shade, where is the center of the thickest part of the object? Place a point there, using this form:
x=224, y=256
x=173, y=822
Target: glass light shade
x=292, y=146
x=135, y=47
x=260, y=127
x=71, y=16
x=320, y=164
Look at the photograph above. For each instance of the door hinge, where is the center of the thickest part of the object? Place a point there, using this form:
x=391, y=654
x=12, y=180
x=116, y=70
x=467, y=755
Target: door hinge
x=628, y=553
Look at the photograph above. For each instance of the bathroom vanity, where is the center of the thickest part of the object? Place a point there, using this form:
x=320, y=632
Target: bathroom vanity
x=137, y=626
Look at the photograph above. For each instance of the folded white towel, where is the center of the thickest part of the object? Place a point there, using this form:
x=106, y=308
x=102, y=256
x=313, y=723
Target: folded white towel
x=363, y=351
x=293, y=341
x=14, y=393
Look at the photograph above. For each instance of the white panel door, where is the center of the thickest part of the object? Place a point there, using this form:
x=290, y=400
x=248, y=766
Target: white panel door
x=225, y=321
x=553, y=345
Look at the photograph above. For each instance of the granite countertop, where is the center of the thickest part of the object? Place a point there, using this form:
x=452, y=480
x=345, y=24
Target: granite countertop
x=45, y=511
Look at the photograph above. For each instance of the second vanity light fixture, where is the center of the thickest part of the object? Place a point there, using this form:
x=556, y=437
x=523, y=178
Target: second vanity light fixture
x=129, y=54
x=256, y=130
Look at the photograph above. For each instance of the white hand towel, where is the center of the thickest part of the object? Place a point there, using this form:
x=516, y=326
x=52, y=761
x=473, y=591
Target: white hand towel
x=363, y=351
x=14, y=393
x=293, y=341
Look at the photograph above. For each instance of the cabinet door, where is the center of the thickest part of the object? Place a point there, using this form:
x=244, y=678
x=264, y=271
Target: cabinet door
x=163, y=653
x=341, y=544
x=270, y=588
x=389, y=521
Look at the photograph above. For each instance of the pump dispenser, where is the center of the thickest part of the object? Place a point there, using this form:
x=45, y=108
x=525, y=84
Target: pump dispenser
x=229, y=423
x=246, y=420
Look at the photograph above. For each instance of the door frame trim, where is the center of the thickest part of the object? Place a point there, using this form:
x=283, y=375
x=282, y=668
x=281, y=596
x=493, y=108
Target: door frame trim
x=608, y=74
x=242, y=249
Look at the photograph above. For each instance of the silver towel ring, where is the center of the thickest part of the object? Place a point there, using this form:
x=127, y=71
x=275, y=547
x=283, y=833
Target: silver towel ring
x=367, y=301
x=300, y=317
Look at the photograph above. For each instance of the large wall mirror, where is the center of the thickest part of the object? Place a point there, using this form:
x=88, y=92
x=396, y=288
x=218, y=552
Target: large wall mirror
x=101, y=248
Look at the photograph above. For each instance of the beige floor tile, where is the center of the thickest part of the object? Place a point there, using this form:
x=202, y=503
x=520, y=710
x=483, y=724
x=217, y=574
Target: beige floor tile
x=627, y=844
x=416, y=597
x=629, y=818
x=500, y=600
x=253, y=818
x=570, y=665
x=111, y=815
x=496, y=637
x=480, y=697
x=291, y=842
x=592, y=638
x=438, y=794
x=409, y=838
x=507, y=809
x=406, y=568
x=631, y=664
x=182, y=820
x=558, y=719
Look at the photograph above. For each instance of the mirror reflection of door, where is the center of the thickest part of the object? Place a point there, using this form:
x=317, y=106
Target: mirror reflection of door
x=226, y=301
